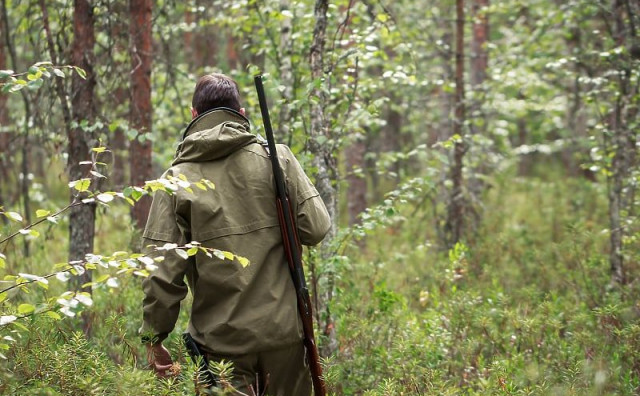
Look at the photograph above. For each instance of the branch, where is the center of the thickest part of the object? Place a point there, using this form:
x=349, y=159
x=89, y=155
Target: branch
x=72, y=204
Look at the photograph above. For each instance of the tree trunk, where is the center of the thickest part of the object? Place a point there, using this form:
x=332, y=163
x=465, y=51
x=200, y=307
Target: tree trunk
x=455, y=217
x=5, y=157
x=118, y=141
x=480, y=57
x=286, y=75
x=140, y=105
x=202, y=44
x=357, y=190
x=323, y=160
x=82, y=217
x=391, y=139
x=187, y=36
x=24, y=182
x=620, y=162
x=119, y=145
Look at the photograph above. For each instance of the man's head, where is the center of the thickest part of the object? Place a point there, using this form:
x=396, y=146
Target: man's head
x=215, y=90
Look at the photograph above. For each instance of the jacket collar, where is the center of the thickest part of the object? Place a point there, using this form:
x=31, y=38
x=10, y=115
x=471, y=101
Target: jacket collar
x=213, y=117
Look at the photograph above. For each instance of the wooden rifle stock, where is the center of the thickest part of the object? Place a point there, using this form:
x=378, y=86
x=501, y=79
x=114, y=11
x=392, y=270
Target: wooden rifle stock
x=292, y=249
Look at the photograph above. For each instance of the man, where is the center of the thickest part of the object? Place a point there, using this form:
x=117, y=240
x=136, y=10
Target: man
x=246, y=315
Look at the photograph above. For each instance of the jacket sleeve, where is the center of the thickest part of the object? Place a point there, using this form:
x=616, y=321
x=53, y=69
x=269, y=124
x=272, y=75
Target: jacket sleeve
x=312, y=218
x=165, y=287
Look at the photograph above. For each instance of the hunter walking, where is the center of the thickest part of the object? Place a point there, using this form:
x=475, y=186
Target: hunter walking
x=245, y=315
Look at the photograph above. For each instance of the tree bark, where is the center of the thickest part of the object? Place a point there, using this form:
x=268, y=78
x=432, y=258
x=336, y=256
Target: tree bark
x=202, y=44
x=5, y=157
x=455, y=218
x=357, y=190
x=286, y=74
x=620, y=163
x=480, y=56
x=24, y=183
x=140, y=105
x=82, y=217
x=323, y=160
x=118, y=141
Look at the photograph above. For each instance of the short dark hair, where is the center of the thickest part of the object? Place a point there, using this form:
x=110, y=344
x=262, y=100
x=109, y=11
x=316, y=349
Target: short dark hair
x=215, y=90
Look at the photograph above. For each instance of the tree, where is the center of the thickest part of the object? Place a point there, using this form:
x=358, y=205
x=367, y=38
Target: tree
x=82, y=217
x=456, y=210
x=140, y=105
x=5, y=157
x=480, y=37
x=323, y=161
x=621, y=136
x=24, y=167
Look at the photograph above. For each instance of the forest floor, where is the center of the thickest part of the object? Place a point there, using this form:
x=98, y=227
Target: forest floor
x=525, y=307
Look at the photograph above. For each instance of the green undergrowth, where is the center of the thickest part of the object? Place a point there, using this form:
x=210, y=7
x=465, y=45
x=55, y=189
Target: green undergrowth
x=523, y=307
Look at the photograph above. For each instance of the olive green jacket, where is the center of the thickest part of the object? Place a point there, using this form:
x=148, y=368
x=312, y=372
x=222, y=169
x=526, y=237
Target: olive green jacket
x=235, y=310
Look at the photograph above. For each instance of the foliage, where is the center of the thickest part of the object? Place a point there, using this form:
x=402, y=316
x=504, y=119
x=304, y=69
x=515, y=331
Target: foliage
x=523, y=305
x=13, y=295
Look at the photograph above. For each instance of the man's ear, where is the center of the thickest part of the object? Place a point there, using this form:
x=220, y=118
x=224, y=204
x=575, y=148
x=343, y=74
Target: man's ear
x=194, y=113
x=242, y=111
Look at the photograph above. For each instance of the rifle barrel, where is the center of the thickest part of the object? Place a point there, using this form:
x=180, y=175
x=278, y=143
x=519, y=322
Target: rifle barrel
x=292, y=248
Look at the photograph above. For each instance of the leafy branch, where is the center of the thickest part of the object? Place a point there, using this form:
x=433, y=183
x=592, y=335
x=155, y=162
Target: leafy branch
x=11, y=81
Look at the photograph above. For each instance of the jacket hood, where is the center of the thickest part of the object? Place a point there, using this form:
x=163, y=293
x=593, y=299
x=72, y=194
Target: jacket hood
x=214, y=135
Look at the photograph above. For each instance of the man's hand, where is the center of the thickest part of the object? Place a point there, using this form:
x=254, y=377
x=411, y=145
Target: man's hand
x=160, y=359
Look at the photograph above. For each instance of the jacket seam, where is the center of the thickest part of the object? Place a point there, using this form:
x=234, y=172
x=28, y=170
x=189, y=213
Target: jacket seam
x=236, y=230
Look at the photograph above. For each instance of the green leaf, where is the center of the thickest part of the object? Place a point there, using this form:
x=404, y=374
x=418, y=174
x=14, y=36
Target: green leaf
x=102, y=278
x=80, y=72
x=81, y=185
x=99, y=149
x=53, y=315
x=26, y=309
x=35, y=84
x=59, y=73
x=6, y=73
x=244, y=262
x=4, y=320
x=42, y=213
x=104, y=197
x=13, y=216
x=182, y=253
x=98, y=174
x=15, y=87
x=192, y=251
x=136, y=194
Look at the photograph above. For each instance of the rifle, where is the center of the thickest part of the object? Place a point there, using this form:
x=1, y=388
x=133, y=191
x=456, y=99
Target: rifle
x=205, y=376
x=292, y=249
